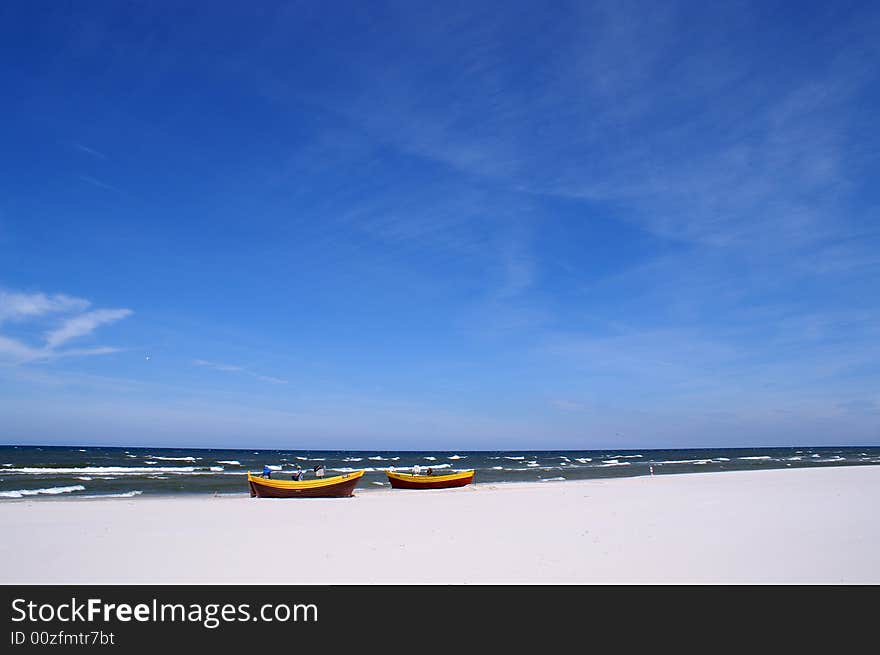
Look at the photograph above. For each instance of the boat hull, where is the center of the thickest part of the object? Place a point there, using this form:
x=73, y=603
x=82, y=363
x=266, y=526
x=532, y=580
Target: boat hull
x=340, y=486
x=406, y=481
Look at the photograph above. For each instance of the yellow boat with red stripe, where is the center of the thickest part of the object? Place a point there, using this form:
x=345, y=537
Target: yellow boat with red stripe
x=409, y=481
x=339, y=486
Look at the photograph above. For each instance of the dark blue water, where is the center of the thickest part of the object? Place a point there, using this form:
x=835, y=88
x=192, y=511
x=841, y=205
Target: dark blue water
x=30, y=472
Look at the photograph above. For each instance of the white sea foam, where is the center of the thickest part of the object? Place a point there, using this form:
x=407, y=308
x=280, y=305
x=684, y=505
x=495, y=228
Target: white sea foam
x=429, y=458
x=113, y=470
x=584, y=460
x=552, y=479
x=793, y=458
x=50, y=491
x=685, y=461
x=759, y=457
x=82, y=450
x=625, y=456
x=132, y=456
x=613, y=463
x=348, y=469
x=84, y=478
x=458, y=457
x=564, y=458
x=497, y=468
x=353, y=459
x=815, y=455
x=424, y=468
x=377, y=458
x=10, y=464
x=125, y=494
x=149, y=461
x=230, y=462
x=381, y=484
x=722, y=459
x=532, y=464
x=514, y=458
x=301, y=458
x=174, y=459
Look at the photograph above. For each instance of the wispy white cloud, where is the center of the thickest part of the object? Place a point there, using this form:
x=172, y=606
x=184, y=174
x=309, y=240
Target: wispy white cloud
x=232, y=368
x=217, y=366
x=17, y=306
x=90, y=151
x=68, y=312
x=98, y=183
x=84, y=324
x=15, y=351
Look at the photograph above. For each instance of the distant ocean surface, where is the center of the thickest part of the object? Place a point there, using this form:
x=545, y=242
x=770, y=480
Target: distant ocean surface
x=32, y=472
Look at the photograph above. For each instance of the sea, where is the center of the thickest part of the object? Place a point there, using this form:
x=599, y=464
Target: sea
x=61, y=472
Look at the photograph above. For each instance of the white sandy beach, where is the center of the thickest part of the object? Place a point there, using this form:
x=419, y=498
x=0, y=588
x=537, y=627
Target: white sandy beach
x=777, y=526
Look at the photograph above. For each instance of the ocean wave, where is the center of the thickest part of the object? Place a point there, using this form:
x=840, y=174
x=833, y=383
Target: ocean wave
x=348, y=469
x=685, y=461
x=230, y=462
x=377, y=458
x=758, y=457
x=150, y=462
x=457, y=457
x=173, y=459
x=85, y=478
x=613, y=463
x=114, y=470
x=50, y=491
x=353, y=459
x=430, y=459
x=125, y=494
x=497, y=468
x=552, y=479
x=584, y=460
x=514, y=458
x=624, y=456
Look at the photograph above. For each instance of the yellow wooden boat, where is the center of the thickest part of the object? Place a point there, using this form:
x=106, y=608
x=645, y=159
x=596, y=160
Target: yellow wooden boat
x=409, y=481
x=336, y=487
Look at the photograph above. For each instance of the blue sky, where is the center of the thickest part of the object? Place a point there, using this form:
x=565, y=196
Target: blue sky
x=440, y=225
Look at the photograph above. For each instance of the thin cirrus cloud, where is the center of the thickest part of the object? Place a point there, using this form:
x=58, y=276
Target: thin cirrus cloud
x=233, y=368
x=84, y=324
x=71, y=319
x=17, y=306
